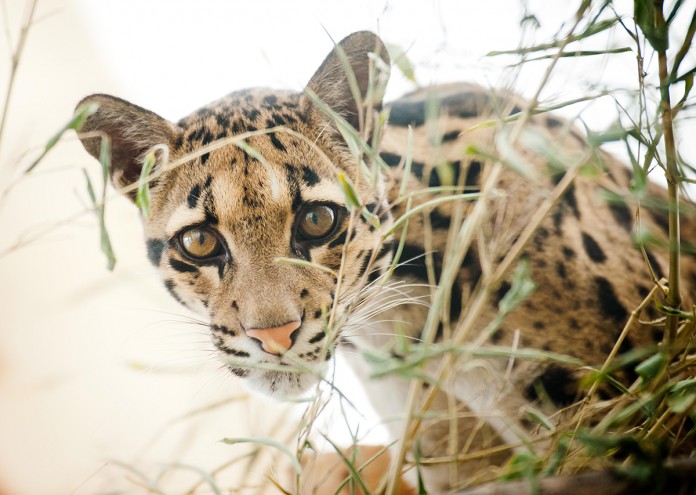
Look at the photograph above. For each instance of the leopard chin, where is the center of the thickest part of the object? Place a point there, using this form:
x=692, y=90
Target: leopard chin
x=281, y=385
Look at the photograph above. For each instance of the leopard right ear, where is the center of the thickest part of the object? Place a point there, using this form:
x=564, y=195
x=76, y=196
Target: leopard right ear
x=350, y=67
x=133, y=132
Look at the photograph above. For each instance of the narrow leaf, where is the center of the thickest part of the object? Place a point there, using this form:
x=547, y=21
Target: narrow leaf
x=142, y=196
x=348, y=190
x=402, y=62
x=75, y=123
x=649, y=368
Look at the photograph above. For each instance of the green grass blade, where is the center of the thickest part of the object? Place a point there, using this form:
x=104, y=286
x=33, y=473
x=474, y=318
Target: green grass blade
x=75, y=123
x=354, y=473
x=105, y=240
x=142, y=196
x=593, y=29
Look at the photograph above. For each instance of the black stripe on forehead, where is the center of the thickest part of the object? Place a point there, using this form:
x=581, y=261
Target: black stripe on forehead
x=193, y=196
x=198, y=191
x=293, y=184
x=209, y=202
x=309, y=176
x=276, y=142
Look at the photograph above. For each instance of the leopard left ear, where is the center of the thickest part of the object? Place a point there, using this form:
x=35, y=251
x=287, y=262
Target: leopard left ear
x=133, y=132
x=331, y=83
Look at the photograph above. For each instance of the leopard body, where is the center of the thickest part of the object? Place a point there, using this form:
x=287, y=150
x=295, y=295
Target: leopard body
x=589, y=276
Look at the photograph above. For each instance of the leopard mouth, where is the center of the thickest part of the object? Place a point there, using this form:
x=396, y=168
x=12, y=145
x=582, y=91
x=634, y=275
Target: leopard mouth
x=277, y=383
x=286, y=374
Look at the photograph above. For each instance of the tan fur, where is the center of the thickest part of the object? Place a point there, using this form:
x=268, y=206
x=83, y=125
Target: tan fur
x=589, y=276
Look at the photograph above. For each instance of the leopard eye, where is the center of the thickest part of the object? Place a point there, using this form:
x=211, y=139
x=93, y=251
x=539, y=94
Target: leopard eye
x=316, y=221
x=200, y=243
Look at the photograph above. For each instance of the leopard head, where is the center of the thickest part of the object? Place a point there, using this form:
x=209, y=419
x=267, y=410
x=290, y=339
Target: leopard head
x=249, y=221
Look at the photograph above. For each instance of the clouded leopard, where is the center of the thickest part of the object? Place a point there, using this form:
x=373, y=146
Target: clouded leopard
x=300, y=225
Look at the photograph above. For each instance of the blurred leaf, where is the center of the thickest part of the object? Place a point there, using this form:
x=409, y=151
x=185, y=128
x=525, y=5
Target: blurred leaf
x=682, y=395
x=525, y=465
x=378, y=80
x=75, y=123
x=668, y=310
x=642, y=236
x=509, y=156
x=353, y=472
x=433, y=124
x=681, y=403
x=142, y=196
x=581, y=53
x=644, y=14
x=591, y=30
x=408, y=367
x=521, y=287
x=539, y=418
x=409, y=161
x=614, y=133
x=642, y=471
x=524, y=353
x=352, y=137
x=428, y=205
x=106, y=247
x=417, y=457
x=688, y=385
x=370, y=218
x=105, y=160
x=384, y=362
x=531, y=20
x=651, y=367
x=402, y=344
x=348, y=190
x=445, y=172
x=90, y=188
x=105, y=241
x=645, y=408
x=598, y=445
x=557, y=159
x=399, y=58
x=557, y=458
x=270, y=443
x=592, y=168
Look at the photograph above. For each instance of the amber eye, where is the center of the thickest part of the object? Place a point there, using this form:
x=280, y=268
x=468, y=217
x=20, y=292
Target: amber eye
x=316, y=221
x=200, y=243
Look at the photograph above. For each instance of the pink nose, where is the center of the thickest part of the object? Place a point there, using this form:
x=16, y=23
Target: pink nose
x=275, y=340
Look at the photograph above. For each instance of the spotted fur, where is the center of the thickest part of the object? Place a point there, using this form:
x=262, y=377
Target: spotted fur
x=589, y=276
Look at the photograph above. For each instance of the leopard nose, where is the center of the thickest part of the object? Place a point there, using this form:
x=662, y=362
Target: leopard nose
x=275, y=340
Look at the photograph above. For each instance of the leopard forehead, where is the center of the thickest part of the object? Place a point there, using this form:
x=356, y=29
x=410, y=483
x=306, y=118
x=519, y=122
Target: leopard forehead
x=214, y=126
x=266, y=158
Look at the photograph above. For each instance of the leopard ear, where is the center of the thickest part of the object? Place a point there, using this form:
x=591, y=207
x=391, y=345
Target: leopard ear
x=331, y=83
x=133, y=132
